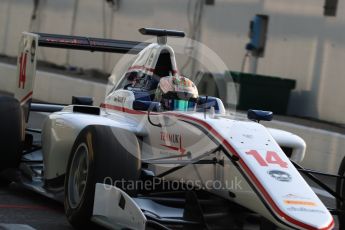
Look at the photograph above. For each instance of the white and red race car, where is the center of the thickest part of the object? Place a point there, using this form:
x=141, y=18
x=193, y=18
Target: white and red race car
x=129, y=163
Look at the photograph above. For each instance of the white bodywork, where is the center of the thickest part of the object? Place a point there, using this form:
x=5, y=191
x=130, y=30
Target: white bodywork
x=270, y=184
x=122, y=212
x=292, y=201
x=287, y=139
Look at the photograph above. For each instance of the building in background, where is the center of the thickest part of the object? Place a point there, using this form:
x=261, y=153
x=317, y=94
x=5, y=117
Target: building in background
x=305, y=42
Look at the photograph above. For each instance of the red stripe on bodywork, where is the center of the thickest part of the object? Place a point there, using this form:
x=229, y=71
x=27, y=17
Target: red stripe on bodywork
x=242, y=163
x=26, y=97
x=252, y=176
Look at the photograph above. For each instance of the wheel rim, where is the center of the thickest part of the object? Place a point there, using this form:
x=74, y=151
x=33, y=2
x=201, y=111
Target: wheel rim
x=77, y=177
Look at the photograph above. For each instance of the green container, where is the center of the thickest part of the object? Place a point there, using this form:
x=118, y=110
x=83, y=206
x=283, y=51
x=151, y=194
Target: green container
x=253, y=91
x=263, y=92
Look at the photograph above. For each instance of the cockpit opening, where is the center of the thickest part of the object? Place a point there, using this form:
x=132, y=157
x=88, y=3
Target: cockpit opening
x=164, y=66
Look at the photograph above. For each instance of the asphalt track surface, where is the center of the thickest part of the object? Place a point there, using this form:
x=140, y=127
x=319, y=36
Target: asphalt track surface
x=19, y=206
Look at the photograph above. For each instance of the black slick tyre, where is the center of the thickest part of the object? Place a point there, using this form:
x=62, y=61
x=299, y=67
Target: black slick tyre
x=100, y=154
x=11, y=135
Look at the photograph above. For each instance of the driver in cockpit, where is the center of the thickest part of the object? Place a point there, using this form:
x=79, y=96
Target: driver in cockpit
x=176, y=93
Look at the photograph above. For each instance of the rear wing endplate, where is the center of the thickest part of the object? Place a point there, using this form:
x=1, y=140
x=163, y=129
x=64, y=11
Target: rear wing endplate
x=26, y=70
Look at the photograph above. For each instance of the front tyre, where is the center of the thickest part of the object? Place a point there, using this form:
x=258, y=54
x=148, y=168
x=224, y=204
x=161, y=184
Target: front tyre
x=340, y=188
x=100, y=154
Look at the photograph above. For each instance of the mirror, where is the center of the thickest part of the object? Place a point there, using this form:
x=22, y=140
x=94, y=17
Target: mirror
x=206, y=102
x=259, y=115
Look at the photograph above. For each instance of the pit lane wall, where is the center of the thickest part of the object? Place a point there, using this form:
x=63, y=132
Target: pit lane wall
x=303, y=44
x=53, y=88
x=325, y=149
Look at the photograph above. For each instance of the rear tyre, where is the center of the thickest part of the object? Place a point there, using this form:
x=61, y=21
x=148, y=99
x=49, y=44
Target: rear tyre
x=100, y=154
x=11, y=133
x=341, y=191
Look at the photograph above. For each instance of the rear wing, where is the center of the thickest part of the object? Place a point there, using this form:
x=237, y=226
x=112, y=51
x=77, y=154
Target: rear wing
x=89, y=44
x=27, y=57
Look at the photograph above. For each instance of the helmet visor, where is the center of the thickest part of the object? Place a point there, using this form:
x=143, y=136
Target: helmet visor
x=178, y=101
x=182, y=105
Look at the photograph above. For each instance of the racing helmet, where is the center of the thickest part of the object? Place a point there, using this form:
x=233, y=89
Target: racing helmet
x=177, y=93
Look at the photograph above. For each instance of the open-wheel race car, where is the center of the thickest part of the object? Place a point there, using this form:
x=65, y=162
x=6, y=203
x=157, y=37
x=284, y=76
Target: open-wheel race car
x=156, y=154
